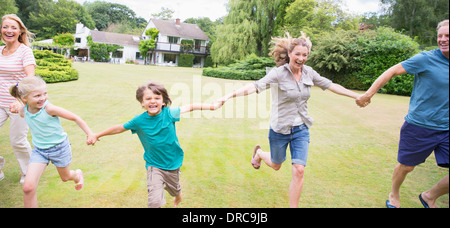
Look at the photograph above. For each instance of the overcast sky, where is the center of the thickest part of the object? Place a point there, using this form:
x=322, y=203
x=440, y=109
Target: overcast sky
x=212, y=8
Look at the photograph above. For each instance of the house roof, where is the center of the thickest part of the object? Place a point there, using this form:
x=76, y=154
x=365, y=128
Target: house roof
x=114, y=38
x=184, y=30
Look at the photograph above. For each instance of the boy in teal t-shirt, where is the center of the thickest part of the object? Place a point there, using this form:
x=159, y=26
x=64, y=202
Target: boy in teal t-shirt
x=157, y=133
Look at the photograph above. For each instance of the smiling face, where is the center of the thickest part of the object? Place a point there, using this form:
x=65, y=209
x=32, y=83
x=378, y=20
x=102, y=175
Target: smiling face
x=152, y=102
x=10, y=31
x=35, y=100
x=443, y=40
x=298, y=57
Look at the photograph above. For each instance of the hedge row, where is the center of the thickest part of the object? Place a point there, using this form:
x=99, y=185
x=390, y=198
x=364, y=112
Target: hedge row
x=54, y=67
x=252, y=68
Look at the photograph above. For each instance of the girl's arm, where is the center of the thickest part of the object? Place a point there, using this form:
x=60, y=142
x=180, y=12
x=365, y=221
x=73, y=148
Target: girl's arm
x=63, y=113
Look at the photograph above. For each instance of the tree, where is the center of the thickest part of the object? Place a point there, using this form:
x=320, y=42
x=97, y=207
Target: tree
x=106, y=13
x=165, y=14
x=8, y=7
x=418, y=18
x=317, y=16
x=247, y=29
x=57, y=17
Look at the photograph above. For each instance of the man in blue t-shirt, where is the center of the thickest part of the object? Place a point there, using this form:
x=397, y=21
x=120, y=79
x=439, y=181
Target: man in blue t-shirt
x=426, y=127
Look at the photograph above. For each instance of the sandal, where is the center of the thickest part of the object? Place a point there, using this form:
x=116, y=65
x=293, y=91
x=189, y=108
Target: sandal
x=255, y=164
x=79, y=185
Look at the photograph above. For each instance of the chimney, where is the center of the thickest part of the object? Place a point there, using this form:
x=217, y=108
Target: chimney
x=178, y=21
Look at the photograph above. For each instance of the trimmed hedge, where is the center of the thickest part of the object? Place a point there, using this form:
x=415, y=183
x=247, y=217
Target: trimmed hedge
x=53, y=67
x=186, y=60
x=251, y=68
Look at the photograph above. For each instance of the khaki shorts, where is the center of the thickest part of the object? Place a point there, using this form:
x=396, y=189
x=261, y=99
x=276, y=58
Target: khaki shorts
x=157, y=181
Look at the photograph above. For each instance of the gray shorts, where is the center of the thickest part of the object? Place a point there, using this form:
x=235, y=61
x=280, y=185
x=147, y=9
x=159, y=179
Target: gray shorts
x=157, y=181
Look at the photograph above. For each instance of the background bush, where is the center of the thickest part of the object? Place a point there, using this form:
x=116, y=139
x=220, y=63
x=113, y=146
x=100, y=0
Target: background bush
x=355, y=60
x=186, y=60
x=54, y=67
x=251, y=68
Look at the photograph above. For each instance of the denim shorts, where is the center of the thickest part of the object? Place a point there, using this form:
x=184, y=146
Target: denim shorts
x=60, y=155
x=417, y=144
x=298, y=141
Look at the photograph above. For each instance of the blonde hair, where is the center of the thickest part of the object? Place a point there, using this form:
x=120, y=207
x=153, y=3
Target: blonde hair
x=25, y=37
x=26, y=86
x=442, y=24
x=285, y=45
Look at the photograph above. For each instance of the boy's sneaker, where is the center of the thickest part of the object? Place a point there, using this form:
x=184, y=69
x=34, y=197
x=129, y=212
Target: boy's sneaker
x=2, y=175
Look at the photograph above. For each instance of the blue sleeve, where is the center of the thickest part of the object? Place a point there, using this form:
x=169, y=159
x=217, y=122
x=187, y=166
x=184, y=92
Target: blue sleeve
x=175, y=113
x=416, y=64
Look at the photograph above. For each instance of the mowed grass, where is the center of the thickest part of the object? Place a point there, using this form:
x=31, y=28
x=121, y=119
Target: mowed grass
x=351, y=158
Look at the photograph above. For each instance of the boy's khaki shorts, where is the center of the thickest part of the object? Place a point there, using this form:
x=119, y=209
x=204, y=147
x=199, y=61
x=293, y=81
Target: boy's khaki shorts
x=157, y=181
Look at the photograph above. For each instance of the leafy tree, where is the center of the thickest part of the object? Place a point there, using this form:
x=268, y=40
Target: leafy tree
x=8, y=7
x=57, y=17
x=64, y=39
x=246, y=29
x=165, y=14
x=418, y=18
x=105, y=13
x=317, y=16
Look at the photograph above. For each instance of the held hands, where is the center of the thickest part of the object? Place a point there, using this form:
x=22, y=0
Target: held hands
x=92, y=139
x=363, y=100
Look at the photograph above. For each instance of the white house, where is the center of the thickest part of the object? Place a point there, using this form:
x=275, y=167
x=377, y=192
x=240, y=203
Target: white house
x=167, y=50
x=168, y=43
x=130, y=44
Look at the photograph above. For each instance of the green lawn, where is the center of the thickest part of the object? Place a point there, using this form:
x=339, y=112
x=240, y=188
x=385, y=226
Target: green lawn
x=352, y=154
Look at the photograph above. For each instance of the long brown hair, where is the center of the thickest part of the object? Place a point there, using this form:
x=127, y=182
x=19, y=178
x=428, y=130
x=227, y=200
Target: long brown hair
x=285, y=45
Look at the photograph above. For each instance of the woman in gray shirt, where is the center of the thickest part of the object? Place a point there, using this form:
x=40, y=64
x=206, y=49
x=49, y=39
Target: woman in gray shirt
x=291, y=85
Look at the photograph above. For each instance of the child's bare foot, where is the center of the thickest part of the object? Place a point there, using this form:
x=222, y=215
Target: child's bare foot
x=80, y=183
x=177, y=200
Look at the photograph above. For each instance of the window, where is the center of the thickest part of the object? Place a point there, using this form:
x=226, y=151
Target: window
x=170, y=58
x=77, y=40
x=173, y=40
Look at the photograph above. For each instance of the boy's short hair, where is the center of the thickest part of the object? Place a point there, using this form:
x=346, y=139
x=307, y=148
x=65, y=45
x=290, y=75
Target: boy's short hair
x=156, y=88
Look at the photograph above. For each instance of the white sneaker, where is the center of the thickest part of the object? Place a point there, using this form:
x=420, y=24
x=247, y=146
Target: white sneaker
x=2, y=175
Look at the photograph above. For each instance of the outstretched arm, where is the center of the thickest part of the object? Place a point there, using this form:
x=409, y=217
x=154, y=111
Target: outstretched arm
x=338, y=89
x=63, y=113
x=117, y=129
x=396, y=70
x=244, y=91
x=198, y=106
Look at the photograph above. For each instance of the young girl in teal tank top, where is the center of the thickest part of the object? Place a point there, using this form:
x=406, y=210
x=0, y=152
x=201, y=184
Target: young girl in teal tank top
x=49, y=139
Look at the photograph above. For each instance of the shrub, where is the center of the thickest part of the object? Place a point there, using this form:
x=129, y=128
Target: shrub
x=251, y=68
x=355, y=60
x=54, y=67
x=186, y=60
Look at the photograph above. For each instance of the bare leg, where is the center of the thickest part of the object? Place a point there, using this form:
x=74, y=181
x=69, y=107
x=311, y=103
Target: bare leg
x=34, y=173
x=400, y=173
x=296, y=187
x=440, y=189
x=68, y=175
x=177, y=200
x=265, y=156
